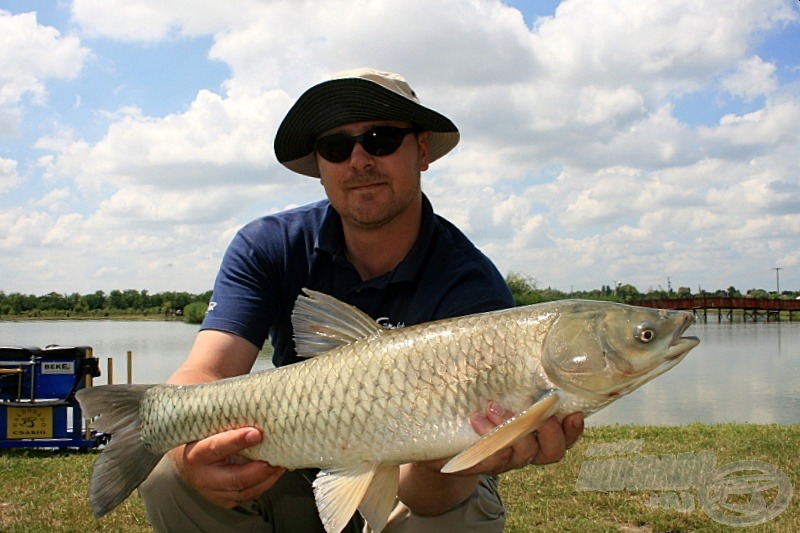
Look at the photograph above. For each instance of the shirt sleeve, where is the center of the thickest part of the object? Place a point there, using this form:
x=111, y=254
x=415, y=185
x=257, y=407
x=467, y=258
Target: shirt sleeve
x=244, y=300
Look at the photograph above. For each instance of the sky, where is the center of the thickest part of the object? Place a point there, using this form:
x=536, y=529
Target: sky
x=646, y=142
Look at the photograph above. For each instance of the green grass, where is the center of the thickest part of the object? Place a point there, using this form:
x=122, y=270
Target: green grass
x=44, y=491
x=545, y=499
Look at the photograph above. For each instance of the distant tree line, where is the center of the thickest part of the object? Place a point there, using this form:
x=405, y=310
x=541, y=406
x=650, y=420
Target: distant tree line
x=129, y=302
x=527, y=291
x=132, y=302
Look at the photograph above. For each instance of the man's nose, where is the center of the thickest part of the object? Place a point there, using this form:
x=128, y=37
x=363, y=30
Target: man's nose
x=360, y=158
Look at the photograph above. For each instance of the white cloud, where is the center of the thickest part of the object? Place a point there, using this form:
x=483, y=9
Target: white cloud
x=66, y=231
x=55, y=200
x=765, y=126
x=215, y=140
x=30, y=54
x=145, y=21
x=752, y=77
x=605, y=197
x=671, y=46
x=9, y=178
x=21, y=228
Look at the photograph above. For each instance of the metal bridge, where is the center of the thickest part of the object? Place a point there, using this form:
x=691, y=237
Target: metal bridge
x=751, y=308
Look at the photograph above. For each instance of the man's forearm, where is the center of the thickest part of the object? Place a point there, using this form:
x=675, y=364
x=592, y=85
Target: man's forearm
x=428, y=492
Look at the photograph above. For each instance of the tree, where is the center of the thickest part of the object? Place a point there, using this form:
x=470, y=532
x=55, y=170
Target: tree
x=523, y=288
x=115, y=300
x=520, y=283
x=195, y=312
x=757, y=293
x=94, y=301
x=628, y=293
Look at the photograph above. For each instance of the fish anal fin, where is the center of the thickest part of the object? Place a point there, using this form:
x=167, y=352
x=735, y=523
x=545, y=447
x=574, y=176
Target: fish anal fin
x=381, y=497
x=339, y=491
x=322, y=323
x=525, y=422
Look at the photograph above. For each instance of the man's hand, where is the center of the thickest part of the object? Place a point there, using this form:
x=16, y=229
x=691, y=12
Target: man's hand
x=546, y=445
x=214, y=469
x=429, y=492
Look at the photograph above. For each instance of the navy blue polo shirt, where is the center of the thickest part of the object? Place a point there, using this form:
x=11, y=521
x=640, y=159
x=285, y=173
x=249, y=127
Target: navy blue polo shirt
x=271, y=259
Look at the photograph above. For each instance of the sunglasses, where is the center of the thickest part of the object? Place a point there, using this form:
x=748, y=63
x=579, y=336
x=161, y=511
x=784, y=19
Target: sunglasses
x=377, y=141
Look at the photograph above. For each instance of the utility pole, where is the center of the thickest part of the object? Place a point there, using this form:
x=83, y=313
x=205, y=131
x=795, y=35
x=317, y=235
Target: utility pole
x=778, y=279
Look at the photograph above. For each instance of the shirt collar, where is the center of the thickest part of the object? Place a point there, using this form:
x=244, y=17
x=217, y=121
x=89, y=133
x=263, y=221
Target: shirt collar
x=412, y=263
x=331, y=236
x=331, y=241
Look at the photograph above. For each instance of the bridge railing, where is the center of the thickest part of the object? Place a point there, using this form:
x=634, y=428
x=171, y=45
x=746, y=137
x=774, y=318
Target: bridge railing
x=715, y=302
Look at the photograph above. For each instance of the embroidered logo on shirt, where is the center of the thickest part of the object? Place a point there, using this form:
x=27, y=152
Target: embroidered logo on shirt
x=385, y=324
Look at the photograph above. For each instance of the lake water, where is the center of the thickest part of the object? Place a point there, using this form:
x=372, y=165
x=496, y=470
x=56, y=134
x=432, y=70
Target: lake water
x=159, y=347
x=740, y=372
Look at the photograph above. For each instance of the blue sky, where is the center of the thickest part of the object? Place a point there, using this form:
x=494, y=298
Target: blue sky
x=602, y=140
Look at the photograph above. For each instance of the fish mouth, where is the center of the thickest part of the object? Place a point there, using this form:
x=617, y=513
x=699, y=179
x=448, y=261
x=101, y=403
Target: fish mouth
x=681, y=345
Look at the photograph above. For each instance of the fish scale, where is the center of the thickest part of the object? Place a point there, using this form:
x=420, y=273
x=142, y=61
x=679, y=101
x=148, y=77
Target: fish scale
x=366, y=399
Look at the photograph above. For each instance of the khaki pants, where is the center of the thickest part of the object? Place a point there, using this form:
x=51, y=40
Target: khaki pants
x=172, y=506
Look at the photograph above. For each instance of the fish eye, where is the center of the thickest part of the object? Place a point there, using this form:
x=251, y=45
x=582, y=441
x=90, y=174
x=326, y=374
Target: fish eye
x=645, y=332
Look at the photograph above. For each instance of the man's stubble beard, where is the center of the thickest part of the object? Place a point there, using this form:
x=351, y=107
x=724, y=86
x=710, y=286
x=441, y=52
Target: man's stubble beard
x=376, y=219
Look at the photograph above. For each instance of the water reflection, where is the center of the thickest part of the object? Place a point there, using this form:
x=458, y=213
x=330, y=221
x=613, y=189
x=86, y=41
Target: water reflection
x=740, y=372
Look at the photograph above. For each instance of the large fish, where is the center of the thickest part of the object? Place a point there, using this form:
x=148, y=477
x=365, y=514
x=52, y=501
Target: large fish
x=368, y=399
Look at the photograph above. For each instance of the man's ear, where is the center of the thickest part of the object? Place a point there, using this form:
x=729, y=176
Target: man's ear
x=422, y=141
x=320, y=162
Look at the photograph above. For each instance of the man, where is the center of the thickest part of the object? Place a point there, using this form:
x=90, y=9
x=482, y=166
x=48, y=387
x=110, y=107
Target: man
x=376, y=244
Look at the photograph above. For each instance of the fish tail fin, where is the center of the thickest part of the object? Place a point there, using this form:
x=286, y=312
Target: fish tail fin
x=124, y=462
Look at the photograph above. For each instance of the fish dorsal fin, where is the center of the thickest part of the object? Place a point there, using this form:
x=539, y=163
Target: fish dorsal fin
x=339, y=491
x=381, y=497
x=322, y=323
x=525, y=422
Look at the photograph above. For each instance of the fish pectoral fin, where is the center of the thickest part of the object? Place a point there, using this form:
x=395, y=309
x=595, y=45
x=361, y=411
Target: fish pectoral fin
x=525, y=422
x=322, y=323
x=381, y=497
x=339, y=491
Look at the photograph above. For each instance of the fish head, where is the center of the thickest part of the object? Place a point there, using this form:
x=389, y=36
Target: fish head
x=603, y=350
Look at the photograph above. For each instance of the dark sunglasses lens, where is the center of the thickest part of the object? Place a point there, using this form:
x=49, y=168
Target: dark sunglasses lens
x=383, y=141
x=335, y=148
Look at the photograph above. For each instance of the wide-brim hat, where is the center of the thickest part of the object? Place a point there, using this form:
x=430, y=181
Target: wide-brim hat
x=357, y=95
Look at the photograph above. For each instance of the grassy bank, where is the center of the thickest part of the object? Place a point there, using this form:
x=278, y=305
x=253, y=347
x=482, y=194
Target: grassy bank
x=44, y=491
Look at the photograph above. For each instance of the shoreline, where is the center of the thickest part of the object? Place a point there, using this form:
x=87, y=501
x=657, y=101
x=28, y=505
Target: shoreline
x=115, y=317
